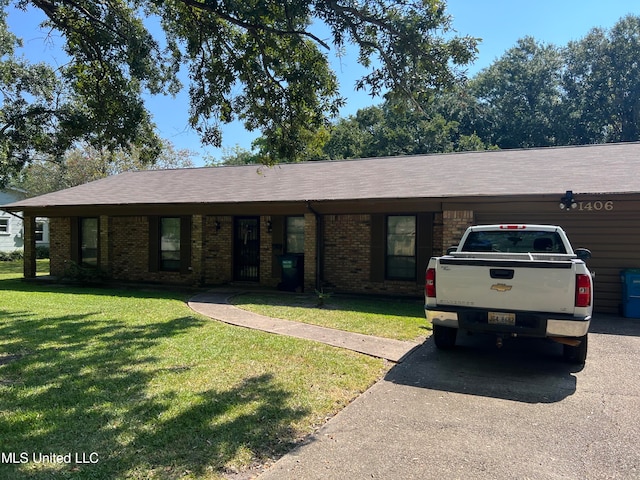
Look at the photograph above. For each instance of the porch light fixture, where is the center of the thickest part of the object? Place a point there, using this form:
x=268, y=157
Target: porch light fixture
x=269, y=226
x=217, y=225
x=567, y=202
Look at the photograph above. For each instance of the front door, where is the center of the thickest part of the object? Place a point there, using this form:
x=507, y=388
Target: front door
x=246, y=251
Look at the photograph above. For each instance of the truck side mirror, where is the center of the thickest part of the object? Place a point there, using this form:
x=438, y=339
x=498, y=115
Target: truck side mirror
x=583, y=254
x=452, y=249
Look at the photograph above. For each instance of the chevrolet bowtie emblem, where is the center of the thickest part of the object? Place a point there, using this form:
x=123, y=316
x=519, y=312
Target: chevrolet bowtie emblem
x=501, y=287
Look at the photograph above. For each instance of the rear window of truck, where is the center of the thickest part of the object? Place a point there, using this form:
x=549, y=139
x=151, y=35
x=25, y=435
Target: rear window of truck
x=514, y=242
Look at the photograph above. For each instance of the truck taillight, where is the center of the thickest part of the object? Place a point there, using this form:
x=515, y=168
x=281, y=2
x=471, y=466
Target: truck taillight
x=583, y=290
x=430, y=283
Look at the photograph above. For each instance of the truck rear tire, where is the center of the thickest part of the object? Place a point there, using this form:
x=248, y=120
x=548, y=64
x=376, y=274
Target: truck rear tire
x=444, y=337
x=577, y=354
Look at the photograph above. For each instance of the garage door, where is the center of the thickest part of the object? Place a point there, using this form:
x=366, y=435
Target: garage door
x=613, y=238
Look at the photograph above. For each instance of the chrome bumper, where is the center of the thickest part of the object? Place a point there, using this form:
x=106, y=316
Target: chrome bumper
x=446, y=319
x=567, y=326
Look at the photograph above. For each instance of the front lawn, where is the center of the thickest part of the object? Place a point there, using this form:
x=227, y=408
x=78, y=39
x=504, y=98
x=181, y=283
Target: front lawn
x=118, y=383
x=398, y=318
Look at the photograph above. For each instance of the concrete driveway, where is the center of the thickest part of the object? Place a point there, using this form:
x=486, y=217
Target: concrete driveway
x=481, y=413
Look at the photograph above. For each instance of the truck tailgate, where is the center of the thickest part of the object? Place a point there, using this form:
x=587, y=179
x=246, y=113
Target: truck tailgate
x=512, y=285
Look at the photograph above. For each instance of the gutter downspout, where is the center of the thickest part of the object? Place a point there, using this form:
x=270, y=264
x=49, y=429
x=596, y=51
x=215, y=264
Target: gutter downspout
x=319, y=246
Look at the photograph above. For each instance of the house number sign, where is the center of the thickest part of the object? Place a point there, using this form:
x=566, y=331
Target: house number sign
x=597, y=206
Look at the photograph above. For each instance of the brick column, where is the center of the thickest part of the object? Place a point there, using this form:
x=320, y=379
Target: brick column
x=198, y=225
x=59, y=244
x=266, y=253
x=454, y=224
x=310, y=252
x=29, y=231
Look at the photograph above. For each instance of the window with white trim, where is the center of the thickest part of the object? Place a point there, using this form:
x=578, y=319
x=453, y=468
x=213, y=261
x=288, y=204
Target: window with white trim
x=4, y=226
x=39, y=232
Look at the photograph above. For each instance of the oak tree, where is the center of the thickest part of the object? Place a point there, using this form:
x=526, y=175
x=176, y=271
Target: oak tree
x=262, y=62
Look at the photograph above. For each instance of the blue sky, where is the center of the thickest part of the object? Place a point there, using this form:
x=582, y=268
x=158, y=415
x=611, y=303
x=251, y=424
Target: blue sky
x=499, y=23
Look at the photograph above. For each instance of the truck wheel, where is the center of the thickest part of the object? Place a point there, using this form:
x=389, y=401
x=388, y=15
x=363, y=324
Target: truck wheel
x=444, y=337
x=577, y=354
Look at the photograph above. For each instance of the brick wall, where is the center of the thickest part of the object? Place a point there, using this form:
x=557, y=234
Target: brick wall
x=29, y=261
x=347, y=258
x=129, y=253
x=438, y=234
x=310, y=252
x=218, y=250
x=454, y=224
x=59, y=244
x=266, y=254
x=347, y=240
x=346, y=251
x=129, y=237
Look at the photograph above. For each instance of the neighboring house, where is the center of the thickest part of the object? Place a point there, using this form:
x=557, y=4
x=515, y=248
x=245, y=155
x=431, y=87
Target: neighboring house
x=11, y=231
x=363, y=226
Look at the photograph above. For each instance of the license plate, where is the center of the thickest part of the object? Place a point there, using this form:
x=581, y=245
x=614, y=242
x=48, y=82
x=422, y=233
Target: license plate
x=501, y=318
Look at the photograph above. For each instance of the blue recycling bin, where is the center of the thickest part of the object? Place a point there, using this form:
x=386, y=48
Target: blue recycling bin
x=631, y=292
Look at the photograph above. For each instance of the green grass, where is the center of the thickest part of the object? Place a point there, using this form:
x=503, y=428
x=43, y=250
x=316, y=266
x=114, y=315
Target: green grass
x=152, y=389
x=15, y=268
x=397, y=318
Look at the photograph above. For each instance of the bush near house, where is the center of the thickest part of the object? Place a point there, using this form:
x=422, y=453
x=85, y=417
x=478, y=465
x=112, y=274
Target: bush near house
x=42, y=252
x=11, y=256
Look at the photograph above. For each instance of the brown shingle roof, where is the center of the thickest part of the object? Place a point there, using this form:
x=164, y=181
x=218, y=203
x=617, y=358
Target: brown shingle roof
x=609, y=168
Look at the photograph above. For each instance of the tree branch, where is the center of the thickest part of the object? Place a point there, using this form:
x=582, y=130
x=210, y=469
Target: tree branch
x=252, y=26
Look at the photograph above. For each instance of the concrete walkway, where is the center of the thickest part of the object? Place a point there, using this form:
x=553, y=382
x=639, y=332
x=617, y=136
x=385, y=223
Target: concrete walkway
x=216, y=305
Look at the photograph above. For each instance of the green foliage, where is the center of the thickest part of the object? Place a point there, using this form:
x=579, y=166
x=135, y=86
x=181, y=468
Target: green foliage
x=396, y=128
x=84, y=275
x=522, y=92
x=602, y=84
x=12, y=256
x=45, y=110
x=84, y=164
x=260, y=62
x=234, y=156
x=322, y=297
x=587, y=92
x=42, y=252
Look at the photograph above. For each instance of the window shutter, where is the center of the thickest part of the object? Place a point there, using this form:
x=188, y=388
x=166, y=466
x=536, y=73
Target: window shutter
x=154, y=244
x=74, y=254
x=424, y=244
x=378, y=257
x=185, y=244
x=277, y=244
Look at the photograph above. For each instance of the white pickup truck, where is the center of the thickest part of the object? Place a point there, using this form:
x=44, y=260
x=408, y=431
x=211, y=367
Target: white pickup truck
x=512, y=280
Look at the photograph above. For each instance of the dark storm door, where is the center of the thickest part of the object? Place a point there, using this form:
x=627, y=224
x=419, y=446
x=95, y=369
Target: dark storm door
x=246, y=251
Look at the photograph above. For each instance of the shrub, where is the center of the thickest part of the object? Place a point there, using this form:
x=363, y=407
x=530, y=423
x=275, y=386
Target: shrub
x=11, y=256
x=75, y=272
